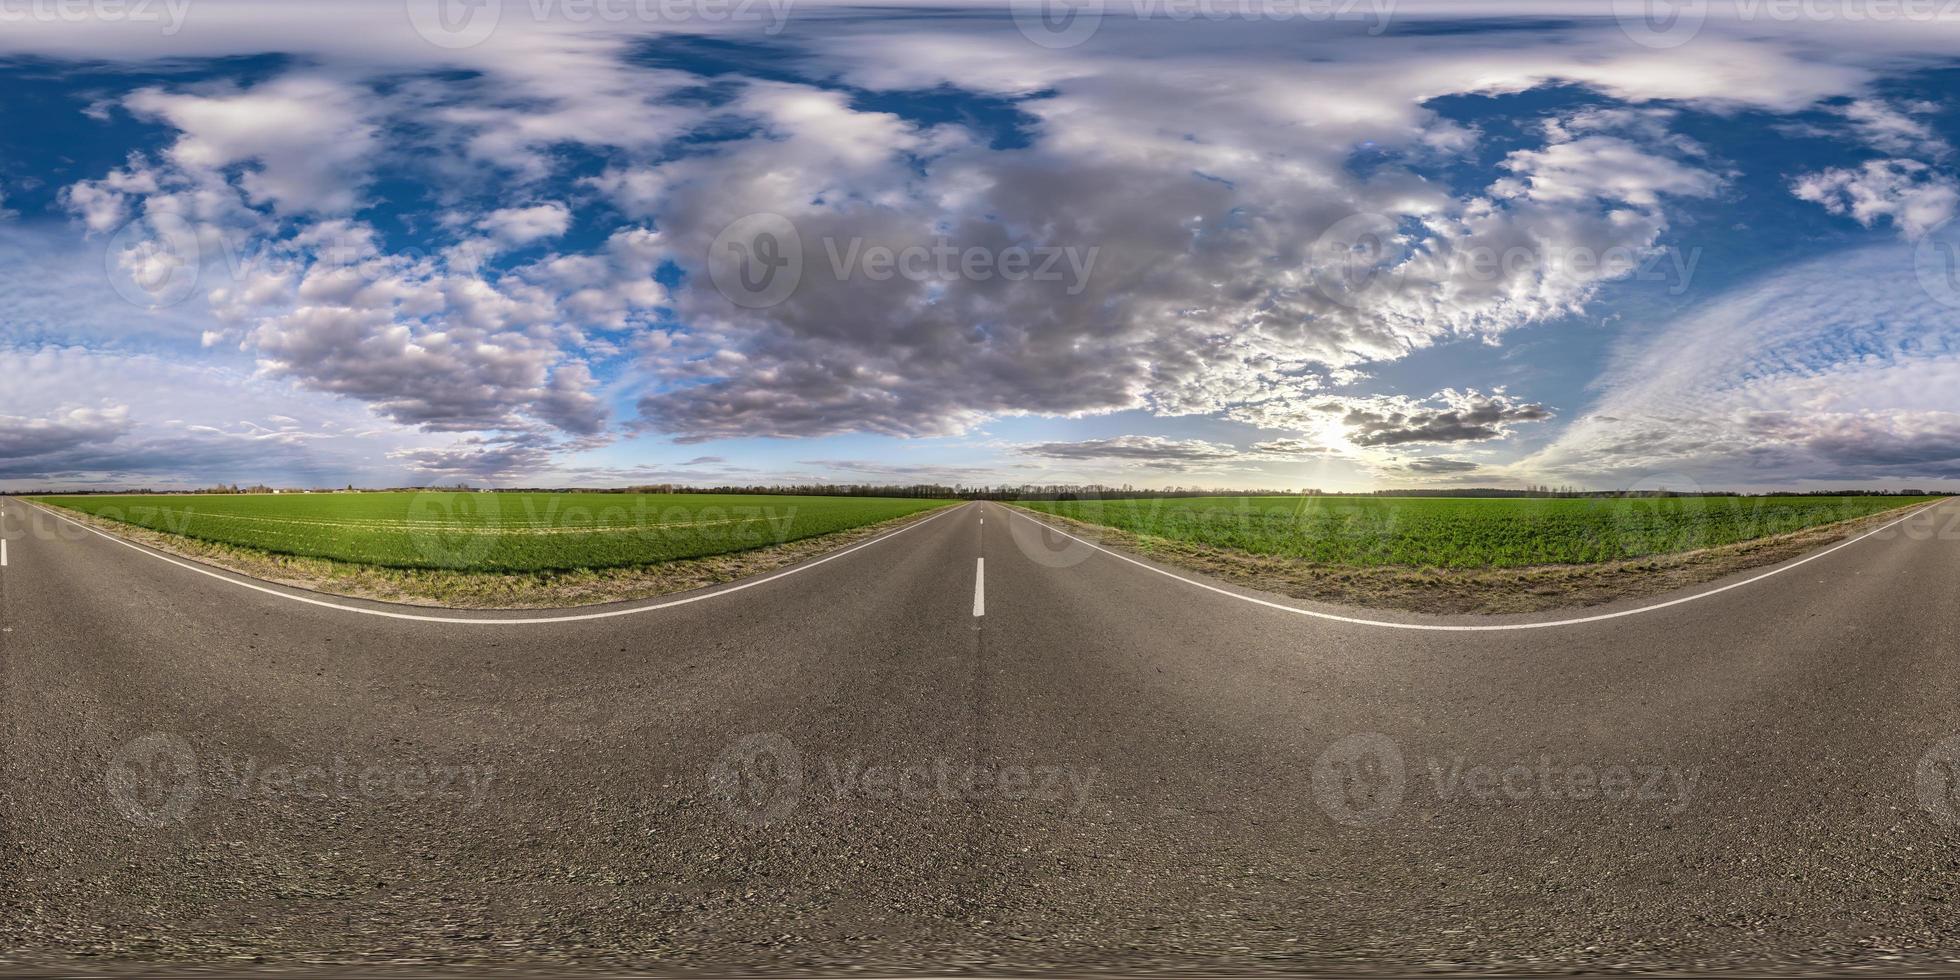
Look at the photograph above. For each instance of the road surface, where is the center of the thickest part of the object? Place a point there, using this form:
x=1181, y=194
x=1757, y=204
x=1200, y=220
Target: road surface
x=973, y=746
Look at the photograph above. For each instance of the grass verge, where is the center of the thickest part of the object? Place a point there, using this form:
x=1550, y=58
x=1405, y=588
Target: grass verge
x=1454, y=591
x=494, y=590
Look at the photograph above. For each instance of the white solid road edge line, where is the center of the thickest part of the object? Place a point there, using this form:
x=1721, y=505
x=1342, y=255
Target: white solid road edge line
x=538, y=621
x=979, y=586
x=1442, y=628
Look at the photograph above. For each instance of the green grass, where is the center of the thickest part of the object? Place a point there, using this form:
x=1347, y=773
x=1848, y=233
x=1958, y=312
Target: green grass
x=496, y=532
x=1451, y=532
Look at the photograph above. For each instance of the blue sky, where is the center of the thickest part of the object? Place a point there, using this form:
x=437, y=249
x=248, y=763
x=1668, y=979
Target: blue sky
x=1200, y=243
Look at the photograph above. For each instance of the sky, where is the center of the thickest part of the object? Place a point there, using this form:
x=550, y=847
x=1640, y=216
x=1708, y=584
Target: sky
x=1285, y=244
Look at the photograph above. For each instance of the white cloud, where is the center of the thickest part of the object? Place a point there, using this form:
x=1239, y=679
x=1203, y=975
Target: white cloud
x=1360, y=422
x=1839, y=368
x=307, y=140
x=1911, y=195
x=1244, y=264
x=524, y=225
x=1897, y=130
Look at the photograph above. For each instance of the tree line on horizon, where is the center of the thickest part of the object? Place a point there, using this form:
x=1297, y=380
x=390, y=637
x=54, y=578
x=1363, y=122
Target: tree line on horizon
x=1023, y=491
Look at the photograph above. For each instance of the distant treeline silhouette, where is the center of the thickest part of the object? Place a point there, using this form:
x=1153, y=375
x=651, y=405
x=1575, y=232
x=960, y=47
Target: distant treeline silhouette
x=1036, y=491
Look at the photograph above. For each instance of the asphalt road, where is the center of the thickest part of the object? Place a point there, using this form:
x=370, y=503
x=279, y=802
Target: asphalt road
x=873, y=764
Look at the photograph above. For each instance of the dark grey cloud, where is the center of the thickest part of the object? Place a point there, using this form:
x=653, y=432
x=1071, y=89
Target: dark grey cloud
x=176, y=461
x=1439, y=466
x=865, y=469
x=23, y=439
x=1233, y=261
x=1466, y=417
x=1141, y=448
x=482, y=456
x=1289, y=447
x=1924, y=445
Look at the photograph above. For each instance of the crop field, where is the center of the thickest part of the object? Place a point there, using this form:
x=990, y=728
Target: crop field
x=1463, y=532
x=496, y=532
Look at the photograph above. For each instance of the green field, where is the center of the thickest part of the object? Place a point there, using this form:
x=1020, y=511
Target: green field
x=1461, y=532
x=496, y=532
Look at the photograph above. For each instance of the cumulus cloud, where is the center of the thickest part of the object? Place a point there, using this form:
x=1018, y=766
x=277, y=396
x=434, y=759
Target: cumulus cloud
x=305, y=140
x=24, y=438
x=1449, y=416
x=479, y=457
x=1370, y=421
x=522, y=226
x=1913, y=196
x=1261, y=264
x=1244, y=263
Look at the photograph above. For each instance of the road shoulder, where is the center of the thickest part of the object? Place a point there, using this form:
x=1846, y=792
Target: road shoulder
x=495, y=591
x=1457, y=592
